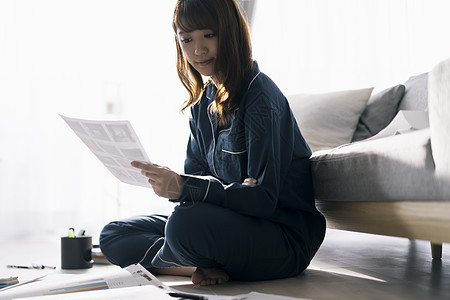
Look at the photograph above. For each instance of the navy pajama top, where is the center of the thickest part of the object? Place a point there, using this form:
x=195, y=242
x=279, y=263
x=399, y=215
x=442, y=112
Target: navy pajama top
x=262, y=141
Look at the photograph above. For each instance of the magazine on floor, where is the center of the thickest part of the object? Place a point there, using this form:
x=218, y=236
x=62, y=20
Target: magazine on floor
x=64, y=284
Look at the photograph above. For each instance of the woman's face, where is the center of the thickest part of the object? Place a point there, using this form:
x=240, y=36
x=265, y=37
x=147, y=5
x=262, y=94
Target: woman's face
x=200, y=49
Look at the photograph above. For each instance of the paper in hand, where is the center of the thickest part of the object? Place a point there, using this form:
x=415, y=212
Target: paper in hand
x=115, y=144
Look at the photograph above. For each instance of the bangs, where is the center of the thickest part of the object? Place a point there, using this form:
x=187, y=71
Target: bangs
x=194, y=15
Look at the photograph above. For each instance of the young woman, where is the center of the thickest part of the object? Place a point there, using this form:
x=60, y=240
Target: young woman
x=246, y=207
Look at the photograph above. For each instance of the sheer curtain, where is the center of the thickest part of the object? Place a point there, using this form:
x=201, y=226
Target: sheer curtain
x=324, y=45
x=111, y=59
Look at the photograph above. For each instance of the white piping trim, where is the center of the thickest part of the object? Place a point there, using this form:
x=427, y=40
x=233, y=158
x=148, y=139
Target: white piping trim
x=169, y=262
x=251, y=82
x=232, y=152
x=214, y=147
x=223, y=130
x=145, y=255
x=207, y=190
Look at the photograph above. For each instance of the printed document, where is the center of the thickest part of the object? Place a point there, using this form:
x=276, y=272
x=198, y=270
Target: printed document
x=115, y=144
x=112, y=278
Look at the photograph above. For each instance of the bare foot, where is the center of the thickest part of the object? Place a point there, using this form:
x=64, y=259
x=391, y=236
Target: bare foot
x=209, y=276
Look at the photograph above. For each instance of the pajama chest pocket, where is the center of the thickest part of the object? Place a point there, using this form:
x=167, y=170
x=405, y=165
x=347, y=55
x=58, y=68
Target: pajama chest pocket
x=231, y=159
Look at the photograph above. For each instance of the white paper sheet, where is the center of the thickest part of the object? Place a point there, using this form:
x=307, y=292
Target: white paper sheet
x=64, y=284
x=151, y=292
x=144, y=277
x=33, y=279
x=134, y=293
x=115, y=144
x=405, y=121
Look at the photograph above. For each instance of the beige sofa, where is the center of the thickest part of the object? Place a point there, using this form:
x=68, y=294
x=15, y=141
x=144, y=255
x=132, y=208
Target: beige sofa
x=396, y=185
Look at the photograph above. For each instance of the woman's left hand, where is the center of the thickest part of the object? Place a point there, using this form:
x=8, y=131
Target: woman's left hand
x=250, y=181
x=165, y=182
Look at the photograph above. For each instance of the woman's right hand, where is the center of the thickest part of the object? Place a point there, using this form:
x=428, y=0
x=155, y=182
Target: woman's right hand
x=165, y=182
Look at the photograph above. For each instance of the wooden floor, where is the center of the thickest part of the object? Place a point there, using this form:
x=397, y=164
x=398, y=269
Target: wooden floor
x=348, y=266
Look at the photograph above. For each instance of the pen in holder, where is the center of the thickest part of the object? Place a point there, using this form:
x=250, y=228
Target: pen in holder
x=76, y=252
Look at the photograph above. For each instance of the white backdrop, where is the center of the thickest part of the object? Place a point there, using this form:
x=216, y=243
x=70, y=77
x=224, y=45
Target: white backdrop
x=320, y=45
x=115, y=59
x=97, y=59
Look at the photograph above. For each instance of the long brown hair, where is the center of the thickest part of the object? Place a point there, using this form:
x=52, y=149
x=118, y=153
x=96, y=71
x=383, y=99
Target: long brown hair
x=234, y=56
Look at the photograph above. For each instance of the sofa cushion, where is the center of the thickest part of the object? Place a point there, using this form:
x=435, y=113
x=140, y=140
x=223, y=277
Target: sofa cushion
x=395, y=168
x=328, y=120
x=416, y=93
x=379, y=112
x=404, y=122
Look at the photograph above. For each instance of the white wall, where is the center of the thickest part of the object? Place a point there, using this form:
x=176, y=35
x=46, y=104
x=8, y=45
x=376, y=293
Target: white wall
x=319, y=45
x=73, y=58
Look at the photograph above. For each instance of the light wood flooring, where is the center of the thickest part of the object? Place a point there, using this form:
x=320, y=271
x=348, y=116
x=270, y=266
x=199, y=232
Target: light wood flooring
x=348, y=266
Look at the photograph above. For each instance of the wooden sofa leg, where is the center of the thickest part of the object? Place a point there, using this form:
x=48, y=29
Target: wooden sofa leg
x=436, y=250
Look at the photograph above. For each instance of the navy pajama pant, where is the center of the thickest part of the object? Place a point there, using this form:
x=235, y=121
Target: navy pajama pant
x=205, y=235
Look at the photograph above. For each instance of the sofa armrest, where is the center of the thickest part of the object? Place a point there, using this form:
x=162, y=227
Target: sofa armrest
x=439, y=112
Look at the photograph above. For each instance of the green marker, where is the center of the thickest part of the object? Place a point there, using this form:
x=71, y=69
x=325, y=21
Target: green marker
x=71, y=232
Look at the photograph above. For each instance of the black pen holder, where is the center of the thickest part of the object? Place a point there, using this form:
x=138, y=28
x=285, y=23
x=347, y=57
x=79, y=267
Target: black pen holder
x=76, y=252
